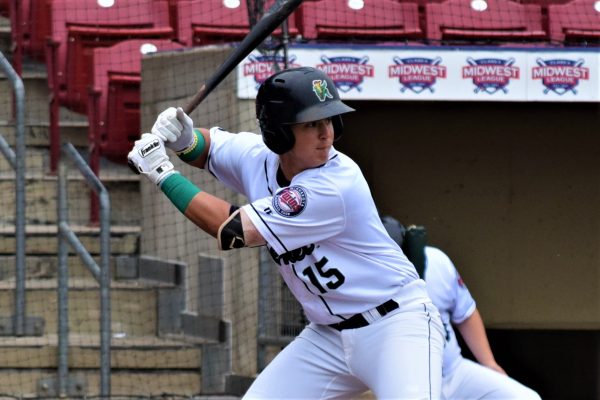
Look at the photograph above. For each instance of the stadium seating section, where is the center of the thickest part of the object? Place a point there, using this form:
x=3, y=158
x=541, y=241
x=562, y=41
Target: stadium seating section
x=576, y=21
x=501, y=20
x=71, y=36
x=201, y=22
x=75, y=28
x=382, y=20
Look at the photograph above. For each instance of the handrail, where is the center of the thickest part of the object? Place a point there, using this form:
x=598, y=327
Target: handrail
x=17, y=161
x=101, y=273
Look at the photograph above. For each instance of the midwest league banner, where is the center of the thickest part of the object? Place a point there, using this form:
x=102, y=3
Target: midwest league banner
x=415, y=73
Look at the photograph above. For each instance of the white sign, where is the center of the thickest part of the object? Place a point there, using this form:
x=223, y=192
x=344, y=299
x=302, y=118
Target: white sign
x=414, y=73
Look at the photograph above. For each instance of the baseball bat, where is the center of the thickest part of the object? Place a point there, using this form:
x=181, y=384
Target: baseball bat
x=274, y=17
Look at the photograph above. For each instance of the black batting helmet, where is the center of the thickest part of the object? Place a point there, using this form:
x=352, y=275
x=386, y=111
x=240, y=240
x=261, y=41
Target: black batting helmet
x=294, y=96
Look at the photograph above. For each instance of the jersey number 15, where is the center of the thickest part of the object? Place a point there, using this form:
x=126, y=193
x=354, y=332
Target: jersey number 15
x=336, y=278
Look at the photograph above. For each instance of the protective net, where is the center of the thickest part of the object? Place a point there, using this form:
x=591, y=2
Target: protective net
x=177, y=317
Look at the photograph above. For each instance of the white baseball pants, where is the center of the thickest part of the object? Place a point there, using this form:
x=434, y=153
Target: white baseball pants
x=397, y=357
x=472, y=381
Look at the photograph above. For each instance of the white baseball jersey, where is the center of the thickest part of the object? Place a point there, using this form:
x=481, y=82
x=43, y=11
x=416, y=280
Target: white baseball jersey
x=463, y=378
x=322, y=228
x=452, y=298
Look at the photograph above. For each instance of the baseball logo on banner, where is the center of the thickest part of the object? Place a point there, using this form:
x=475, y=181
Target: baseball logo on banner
x=347, y=72
x=260, y=67
x=560, y=75
x=417, y=73
x=490, y=75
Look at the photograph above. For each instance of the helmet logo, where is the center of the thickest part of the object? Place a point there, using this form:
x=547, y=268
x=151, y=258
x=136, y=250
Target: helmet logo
x=321, y=90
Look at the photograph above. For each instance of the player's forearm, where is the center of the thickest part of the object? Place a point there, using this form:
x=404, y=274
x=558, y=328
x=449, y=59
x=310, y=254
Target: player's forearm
x=203, y=209
x=212, y=214
x=208, y=212
x=473, y=332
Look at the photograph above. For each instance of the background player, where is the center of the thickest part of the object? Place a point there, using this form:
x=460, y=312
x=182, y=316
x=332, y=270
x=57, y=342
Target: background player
x=462, y=378
x=372, y=324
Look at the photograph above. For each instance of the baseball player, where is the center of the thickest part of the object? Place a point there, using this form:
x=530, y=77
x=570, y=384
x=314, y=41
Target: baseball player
x=372, y=324
x=461, y=377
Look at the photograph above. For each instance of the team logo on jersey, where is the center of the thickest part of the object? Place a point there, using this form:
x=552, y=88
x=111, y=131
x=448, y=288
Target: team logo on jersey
x=263, y=66
x=559, y=75
x=347, y=72
x=290, y=201
x=490, y=75
x=321, y=90
x=417, y=74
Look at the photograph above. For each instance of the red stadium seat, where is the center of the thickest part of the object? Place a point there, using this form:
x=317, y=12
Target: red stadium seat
x=387, y=20
x=75, y=28
x=38, y=32
x=499, y=20
x=80, y=44
x=114, y=101
x=5, y=8
x=203, y=22
x=114, y=115
x=18, y=12
x=575, y=21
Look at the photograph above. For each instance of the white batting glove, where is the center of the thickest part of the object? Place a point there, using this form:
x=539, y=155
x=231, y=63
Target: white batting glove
x=150, y=158
x=175, y=128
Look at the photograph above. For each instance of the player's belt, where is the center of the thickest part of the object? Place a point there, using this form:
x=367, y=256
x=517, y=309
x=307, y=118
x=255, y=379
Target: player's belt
x=358, y=320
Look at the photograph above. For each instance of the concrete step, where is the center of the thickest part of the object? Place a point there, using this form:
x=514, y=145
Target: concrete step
x=134, y=305
x=37, y=161
x=37, y=95
x=41, y=193
x=46, y=267
x=41, y=239
x=35, y=82
x=139, y=352
x=37, y=132
x=125, y=384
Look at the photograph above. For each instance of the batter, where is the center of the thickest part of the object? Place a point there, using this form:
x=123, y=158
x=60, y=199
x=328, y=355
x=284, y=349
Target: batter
x=372, y=324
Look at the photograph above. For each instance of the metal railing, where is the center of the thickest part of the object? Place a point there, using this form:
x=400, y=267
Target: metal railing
x=101, y=273
x=17, y=161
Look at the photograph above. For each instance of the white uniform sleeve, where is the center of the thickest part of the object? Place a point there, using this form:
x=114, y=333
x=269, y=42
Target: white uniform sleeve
x=298, y=215
x=227, y=153
x=464, y=304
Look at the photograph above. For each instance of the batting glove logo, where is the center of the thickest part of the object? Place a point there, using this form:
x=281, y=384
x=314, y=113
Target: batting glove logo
x=290, y=201
x=149, y=148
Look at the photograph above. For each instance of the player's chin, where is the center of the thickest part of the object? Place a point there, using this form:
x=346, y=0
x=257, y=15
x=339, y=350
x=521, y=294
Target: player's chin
x=322, y=153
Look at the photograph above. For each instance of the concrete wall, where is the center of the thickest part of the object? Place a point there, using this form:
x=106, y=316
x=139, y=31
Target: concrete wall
x=171, y=80
x=510, y=191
